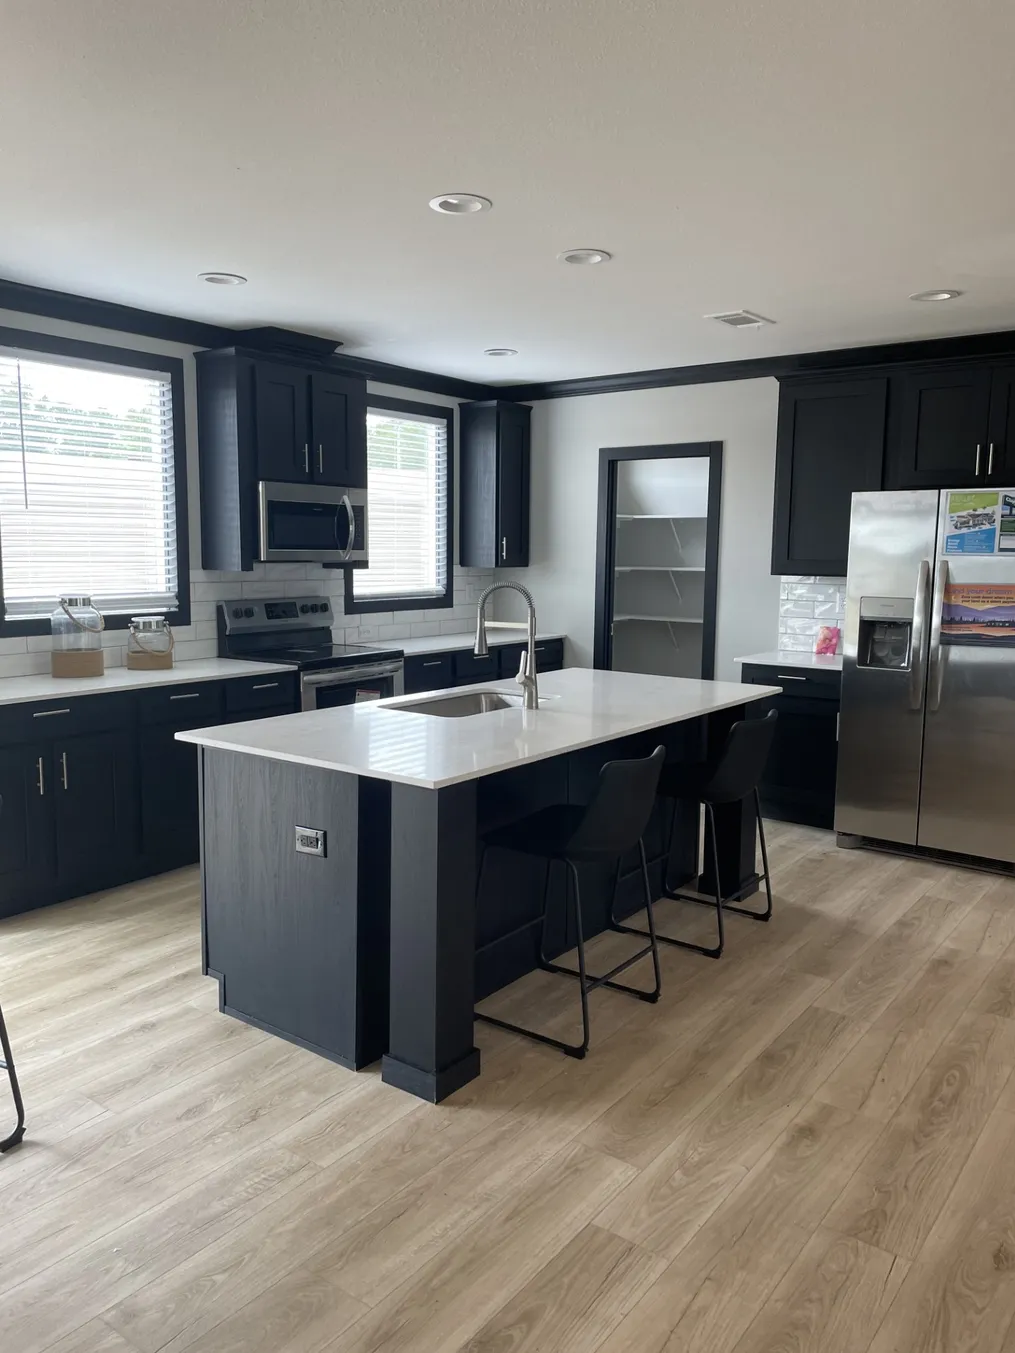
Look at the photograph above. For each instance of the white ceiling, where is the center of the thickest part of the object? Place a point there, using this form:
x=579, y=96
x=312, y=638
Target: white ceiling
x=812, y=160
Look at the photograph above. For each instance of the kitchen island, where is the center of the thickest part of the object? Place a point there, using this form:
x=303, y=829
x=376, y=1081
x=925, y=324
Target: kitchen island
x=339, y=853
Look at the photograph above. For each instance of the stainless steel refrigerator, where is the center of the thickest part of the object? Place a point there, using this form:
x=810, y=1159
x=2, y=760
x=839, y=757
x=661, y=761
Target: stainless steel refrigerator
x=927, y=723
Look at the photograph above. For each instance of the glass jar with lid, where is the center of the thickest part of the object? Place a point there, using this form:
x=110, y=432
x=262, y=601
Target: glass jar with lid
x=77, y=638
x=150, y=643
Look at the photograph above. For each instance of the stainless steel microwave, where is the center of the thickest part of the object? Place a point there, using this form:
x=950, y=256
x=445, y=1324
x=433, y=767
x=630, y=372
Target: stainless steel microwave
x=314, y=523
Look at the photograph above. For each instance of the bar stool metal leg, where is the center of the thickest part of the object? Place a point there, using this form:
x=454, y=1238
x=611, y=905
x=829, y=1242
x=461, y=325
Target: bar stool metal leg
x=7, y=1064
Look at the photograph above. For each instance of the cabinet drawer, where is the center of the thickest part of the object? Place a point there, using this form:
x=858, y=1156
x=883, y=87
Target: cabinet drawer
x=796, y=681
x=549, y=656
x=428, y=672
x=275, y=693
x=470, y=668
x=197, y=705
x=59, y=718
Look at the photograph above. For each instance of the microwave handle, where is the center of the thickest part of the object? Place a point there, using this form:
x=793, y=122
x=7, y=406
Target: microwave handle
x=347, y=504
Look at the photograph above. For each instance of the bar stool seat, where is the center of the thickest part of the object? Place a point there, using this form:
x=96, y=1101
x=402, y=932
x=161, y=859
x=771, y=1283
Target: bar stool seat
x=604, y=831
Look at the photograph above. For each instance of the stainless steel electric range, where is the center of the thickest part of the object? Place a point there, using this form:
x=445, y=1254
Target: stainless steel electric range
x=297, y=631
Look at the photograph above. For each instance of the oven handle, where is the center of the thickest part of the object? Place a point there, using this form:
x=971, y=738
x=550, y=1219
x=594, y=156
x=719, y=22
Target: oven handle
x=345, y=676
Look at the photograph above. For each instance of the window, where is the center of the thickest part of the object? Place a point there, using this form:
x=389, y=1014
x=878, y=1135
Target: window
x=89, y=497
x=409, y=457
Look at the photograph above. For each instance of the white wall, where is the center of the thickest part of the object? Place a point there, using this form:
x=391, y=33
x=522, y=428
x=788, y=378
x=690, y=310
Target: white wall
x=566, y=437
x=21, y=656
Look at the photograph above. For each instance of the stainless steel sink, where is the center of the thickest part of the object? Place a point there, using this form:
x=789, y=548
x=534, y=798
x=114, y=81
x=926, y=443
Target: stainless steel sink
x=464, y=705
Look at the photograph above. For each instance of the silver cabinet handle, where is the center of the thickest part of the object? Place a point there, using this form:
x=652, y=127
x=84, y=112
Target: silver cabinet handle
x=42, y=780
x=990, y=458
x=436, y=663
x=503, y=547
x=306, y=457
x=188, y=695
x=979, y=448
x=785, y=676
x=63, y=768
x=320, y=458
x=48, y=713
x=265, y=686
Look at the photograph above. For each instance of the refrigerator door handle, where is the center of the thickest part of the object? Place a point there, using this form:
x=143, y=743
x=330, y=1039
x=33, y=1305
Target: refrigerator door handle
x=917, y=668
x=936, y=661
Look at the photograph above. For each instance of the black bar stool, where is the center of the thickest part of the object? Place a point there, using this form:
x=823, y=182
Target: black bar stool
x=7, y=1064
x=603, y=832
x=734, y=776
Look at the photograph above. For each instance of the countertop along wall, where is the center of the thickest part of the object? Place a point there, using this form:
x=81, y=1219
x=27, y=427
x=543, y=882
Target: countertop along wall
x=566, y=437
x=28, y=656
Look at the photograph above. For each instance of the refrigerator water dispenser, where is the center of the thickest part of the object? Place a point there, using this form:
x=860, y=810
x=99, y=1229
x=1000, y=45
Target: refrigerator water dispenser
x=886, y=633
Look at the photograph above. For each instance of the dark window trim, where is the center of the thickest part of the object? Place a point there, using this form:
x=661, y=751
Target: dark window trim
x=606, y=542
x=48, y=344
x=351, y=605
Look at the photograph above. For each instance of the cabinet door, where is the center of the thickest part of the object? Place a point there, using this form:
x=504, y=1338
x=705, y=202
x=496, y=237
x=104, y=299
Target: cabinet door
x=940, y=439
x=168, y=793
x=513, y=486
x=339, y=430
x=95, y=806
x=282, y=423
x=26, y=828
x=1001, y=436
x=830, y=445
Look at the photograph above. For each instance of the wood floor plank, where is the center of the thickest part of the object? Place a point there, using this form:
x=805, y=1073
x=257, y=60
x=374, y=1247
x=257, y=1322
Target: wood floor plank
x=895, y=1197
x=575, y=1300
x=833, y=1298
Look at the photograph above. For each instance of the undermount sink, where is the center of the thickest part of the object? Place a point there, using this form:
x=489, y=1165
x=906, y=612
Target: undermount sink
x=462, y=706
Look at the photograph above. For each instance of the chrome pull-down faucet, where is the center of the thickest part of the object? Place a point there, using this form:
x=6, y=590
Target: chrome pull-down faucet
x=526, y=677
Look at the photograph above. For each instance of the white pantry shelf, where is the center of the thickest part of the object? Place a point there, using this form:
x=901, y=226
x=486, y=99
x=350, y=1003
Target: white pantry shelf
x=660, y=568
x=665, y=619
x=661, y=516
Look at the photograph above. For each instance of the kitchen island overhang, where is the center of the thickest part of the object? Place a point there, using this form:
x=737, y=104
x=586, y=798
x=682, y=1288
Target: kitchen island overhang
x=339, y=852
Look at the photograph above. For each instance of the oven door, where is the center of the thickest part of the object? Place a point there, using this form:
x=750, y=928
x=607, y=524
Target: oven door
x=312, y=523
x=350, y=685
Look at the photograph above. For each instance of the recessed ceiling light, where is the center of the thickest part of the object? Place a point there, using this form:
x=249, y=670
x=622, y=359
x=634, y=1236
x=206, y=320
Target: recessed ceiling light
x=222, y=279
x=459, y=204
x=584, y=256
x=500, y=352
x=935, y=295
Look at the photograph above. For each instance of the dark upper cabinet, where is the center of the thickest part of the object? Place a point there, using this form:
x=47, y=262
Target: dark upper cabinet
x=830, y=444
x=281, y=422
x=939, y=429
x=276, y=419
x=338, y=420
x=1000, y=464
x=494, y=470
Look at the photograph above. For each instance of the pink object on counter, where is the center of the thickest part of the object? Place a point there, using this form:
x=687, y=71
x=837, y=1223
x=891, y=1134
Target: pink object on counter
x=827, y=643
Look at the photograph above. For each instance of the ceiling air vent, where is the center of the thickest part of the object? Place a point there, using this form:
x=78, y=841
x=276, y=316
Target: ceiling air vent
x=741, y=319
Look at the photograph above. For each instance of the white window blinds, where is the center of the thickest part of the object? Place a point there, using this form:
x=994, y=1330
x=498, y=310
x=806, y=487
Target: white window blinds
x=87, y=487
x=407, y=507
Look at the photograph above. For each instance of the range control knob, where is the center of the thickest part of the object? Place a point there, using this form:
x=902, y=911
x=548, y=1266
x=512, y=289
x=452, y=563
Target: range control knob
x=314, y=606
x=237, y=612
x=248, y=611
x=304, y=609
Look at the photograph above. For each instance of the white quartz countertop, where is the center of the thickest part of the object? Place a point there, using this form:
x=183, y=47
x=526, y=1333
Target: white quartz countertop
x=814, y=661
x=449, y=643
x=579, y=708
x=17, y=690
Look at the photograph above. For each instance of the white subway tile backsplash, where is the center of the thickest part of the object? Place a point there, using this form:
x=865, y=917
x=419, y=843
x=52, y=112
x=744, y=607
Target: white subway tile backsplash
x=217, y=591
x=805, y=604
x=425, y=629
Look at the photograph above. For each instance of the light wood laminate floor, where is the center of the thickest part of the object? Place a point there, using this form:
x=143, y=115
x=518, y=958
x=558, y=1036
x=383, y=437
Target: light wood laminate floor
x=807, y=1146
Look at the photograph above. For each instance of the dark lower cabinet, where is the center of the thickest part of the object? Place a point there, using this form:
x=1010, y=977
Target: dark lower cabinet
x=799, y=780
x=95, y=808
x=96, y=791
x=27, y=848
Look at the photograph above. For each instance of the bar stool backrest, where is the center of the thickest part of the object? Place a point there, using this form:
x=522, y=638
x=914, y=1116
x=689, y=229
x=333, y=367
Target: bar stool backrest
x=618, y=814
x=738, y=771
